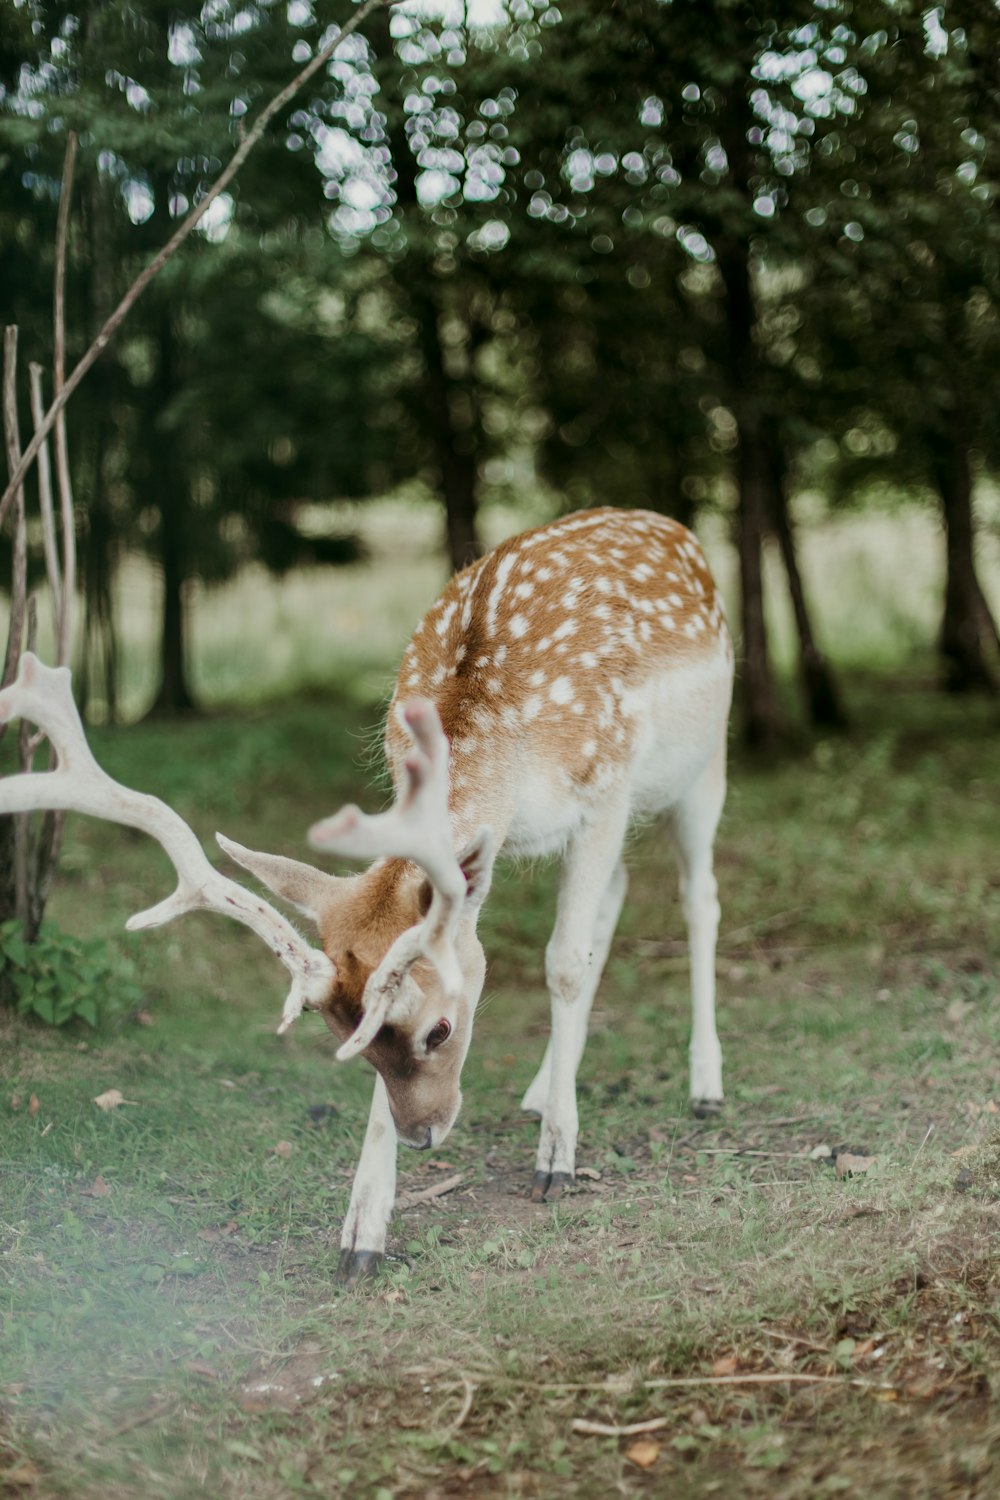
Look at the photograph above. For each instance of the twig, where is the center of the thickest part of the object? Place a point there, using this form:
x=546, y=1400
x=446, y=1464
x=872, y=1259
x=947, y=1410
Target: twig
x=52, y=568
x=139, y=285
x=407, y=1200
x=608, y=1429
x=149, y=1415
x=923, y=1143
x=64, y=483
x=466, y=1407
x=12, y=443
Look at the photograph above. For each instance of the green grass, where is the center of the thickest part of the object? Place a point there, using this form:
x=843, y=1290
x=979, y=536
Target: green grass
x=169, y=1321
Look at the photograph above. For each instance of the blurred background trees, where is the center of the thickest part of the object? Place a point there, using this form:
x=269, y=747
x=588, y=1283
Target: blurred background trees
x=640, y=252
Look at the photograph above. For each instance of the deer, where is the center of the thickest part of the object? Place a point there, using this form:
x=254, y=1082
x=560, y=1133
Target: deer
x=575, y=679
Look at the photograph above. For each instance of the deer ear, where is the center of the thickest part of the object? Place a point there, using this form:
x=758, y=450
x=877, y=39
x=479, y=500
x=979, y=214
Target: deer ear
x=303, y=886
x=476, y=860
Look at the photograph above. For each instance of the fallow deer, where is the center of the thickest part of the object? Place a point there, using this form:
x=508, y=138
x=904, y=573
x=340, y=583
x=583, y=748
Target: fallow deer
x=576, y=678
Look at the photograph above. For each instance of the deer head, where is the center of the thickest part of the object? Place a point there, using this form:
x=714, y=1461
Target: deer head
x=408, y=964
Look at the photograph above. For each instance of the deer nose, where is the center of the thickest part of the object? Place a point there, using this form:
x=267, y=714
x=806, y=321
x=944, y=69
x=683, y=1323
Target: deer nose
x=420, y=1141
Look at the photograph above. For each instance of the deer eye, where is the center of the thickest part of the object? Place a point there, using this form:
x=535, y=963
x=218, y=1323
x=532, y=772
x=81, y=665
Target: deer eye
x=438, y=1034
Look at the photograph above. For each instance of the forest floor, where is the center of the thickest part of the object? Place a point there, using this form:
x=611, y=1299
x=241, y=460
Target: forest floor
x=170, y=1325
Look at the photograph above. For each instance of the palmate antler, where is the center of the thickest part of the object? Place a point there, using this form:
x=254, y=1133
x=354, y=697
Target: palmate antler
x=43, y=696
x=416, y=827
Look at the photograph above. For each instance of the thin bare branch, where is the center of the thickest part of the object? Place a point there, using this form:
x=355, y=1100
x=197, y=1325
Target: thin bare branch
x=52, y=568
x=12, y=443
x=68, y=593
x=139, y=285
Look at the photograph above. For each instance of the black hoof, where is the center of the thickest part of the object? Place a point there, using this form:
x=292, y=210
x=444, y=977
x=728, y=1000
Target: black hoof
x=706, y=1109
x=358, y=1265
x=548, y=1187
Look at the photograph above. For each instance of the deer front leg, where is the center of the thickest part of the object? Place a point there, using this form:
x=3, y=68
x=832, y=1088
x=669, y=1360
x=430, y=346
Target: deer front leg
x=362, y=1243
x=573, y=962
x=537, y=1092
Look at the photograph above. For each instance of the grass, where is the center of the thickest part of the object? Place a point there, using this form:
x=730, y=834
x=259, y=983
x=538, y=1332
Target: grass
x=169, y=1321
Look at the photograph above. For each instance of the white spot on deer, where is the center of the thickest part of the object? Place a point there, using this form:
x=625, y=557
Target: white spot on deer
x=561, y=690
x=667, y=621
x=689, y=629
x=602, y=612
x=524, y=590
x=543, y=575
x=578, y=707
x=602, y=585
x=641, y=572
x=482, y=661
x=501, y=655
x=518, y=626
x=587, y=659
x=568, y=627
x=544, y=643
x=589, y=748
x=494, y=685
x=438, y=676
x=503, y=569
x=445, y=618
x=537, y=679
x=510, y=717
x=532, y=707
x=675, y=600
x=413, y=680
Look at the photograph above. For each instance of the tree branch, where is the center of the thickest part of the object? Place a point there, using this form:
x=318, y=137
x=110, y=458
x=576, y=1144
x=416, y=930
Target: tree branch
x=135, y=291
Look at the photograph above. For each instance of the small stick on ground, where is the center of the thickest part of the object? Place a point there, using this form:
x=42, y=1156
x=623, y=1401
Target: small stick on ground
x=407, y=1200
x=608, y=1429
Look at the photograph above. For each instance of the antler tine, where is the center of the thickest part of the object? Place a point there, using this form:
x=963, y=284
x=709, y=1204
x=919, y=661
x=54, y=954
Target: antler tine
x=416, y=827
x=44, y=696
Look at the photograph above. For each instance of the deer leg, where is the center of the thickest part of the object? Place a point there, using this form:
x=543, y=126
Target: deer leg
x=604, y=930
x=572, y=972
x=362, y=1243
x=695, y=820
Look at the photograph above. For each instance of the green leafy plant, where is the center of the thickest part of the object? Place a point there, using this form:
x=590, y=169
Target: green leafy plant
x=61, y=978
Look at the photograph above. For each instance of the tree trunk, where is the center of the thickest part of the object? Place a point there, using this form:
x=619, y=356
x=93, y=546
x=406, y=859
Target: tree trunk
x=98, y=674
x=169, y=491
x=761, y=717
x=455, y=443
x=968, y=631
x=818, y=685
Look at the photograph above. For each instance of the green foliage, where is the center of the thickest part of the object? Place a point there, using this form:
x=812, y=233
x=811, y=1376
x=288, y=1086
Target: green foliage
x=61, y=978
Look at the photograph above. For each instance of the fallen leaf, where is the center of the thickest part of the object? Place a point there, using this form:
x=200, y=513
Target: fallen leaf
x=727, y=1365
x=24, y=1475
x=590, y=1173
x=283, y=1149
x=820, y=1153
x=643, y=1453
x=688, y=1178
x=15, y=1101
x=143, y=1018
x=199, y=1367
x=440, y=1165
x=98, y=1188
x=849, y=1165
x=218, y=1234
x=111, y=1099
x=33, y=1105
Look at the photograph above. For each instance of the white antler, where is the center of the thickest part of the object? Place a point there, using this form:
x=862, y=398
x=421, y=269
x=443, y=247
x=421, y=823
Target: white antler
x=44, y=696
x=415, y=827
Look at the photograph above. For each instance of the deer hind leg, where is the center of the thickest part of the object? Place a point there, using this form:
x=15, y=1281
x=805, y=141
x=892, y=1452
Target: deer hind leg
x=362, y=1243
x=694, y=822
x=572, y=972
x=537, y=1093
